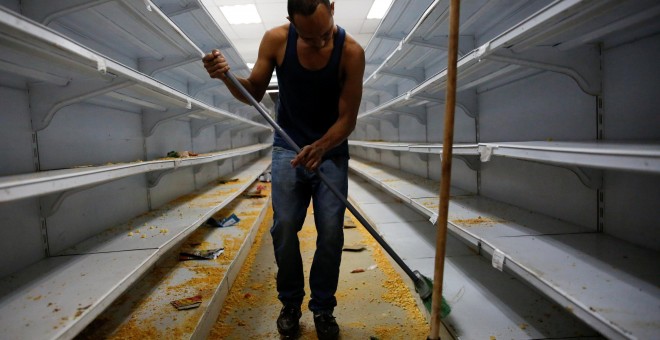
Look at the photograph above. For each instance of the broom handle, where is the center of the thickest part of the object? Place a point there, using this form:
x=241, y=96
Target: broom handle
x=323, y=177
x=450, y=103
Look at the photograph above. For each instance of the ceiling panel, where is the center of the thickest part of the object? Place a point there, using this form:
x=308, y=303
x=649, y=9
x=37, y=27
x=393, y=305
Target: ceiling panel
x=349, y=14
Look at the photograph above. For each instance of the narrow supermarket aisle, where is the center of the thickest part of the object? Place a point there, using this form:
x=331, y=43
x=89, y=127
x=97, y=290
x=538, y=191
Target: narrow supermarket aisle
x=372, y=304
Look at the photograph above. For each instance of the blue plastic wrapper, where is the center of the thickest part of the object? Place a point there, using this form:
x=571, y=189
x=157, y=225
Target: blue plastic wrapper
x=225, y=222
x=229, y=221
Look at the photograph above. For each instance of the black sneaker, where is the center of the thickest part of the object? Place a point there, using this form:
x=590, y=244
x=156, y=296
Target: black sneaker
x=326, y=326
x=288, y=323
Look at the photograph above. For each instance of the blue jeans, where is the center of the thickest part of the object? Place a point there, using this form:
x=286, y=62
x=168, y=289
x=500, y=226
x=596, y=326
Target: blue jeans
x=292, y=189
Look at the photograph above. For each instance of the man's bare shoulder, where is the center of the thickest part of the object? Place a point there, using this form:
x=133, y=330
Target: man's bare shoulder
x=352, y=47
x=353, y=51
x=277, y=35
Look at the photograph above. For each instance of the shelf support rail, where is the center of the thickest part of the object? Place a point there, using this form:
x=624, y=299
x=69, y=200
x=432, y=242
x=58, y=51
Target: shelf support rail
x=153, y=67
x=51, y=203
x=589, y=86
x=591, y=178
x=45, y=102
x=198, y=125
x=154, y=177
x=151, y=119
x=418, y=113
x=472, y=162
x=173, y=10
x=55, y=9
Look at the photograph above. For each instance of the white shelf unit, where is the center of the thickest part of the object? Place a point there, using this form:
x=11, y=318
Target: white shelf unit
x=94, y=96
x=148, y=40
x=629, y=156
x=576, y=267
x=472, y=289
x=557, y=136
x=401, y=18
x=147, y=305
x=58, y=296
x=48, y=182
x=196, y=22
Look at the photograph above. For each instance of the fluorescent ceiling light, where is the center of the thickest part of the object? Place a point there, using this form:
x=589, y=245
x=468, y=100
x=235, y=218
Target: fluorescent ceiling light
x=378, y=9
x=241, y=14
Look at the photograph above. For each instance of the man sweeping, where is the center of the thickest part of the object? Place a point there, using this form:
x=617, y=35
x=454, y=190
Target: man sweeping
x=319, y=70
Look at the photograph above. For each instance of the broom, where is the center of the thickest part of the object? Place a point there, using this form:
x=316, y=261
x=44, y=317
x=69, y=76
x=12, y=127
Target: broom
x=438, y=307
x=423, y=285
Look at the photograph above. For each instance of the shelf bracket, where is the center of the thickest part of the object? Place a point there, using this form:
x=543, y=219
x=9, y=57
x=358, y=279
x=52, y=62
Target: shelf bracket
x=154, y=177
x=591, y=178
x=471, y=161
x=198, y=125
x=52, y=203
x=222, y=102
x=224, y=126
x=46, y=14
x=152, y=66
x=398, y=36
x=46, y=100
x=371, y=99
x=237, y=131
x=152, y=119
x=221, y=162
x=369, y=120
x=390, y=90
x=441, y=43
x=174, y=10
x=465, y=100
x=580, y=64
x=194, y=89
x=21, y=70
x=424, y=157
x=418, y=113
x=415, y=74
x=235, y=106
x=391, y=119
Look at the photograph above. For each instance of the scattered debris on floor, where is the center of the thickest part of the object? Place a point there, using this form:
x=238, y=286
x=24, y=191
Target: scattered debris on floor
x=355, y=247
x=375, y=304
x=348, y=222
x=256, y=192
x=187, y=303
x=197, y=254
x=225, y=222
x=265, y=177
x=147, y=311
x=362, y=270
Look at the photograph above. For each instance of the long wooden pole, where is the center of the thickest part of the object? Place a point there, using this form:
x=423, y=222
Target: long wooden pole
x=448, y=142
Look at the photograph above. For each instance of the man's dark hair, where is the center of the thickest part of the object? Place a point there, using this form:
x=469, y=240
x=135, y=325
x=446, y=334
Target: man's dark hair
x=304, y=7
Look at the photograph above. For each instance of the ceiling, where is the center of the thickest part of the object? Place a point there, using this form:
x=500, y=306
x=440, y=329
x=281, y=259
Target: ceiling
x=349, y=14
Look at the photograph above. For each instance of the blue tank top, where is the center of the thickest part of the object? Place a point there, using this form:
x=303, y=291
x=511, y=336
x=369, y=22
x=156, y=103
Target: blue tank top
x=308, y=102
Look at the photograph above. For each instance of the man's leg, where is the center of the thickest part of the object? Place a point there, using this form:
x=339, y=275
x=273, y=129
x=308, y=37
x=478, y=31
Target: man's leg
x=329, y=219
x=291, y=198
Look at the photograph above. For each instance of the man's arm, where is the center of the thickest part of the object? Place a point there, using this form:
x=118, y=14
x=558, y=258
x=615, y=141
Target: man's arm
x=257, y=83
x=349, y=103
